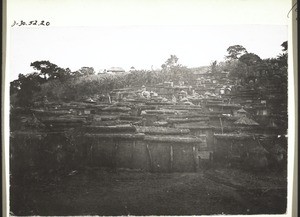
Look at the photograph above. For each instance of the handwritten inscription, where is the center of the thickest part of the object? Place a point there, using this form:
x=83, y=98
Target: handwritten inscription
x=31, y=23
x=293, y=8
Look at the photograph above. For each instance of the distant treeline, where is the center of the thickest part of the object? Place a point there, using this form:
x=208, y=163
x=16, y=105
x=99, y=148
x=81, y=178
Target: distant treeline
x=62, y=84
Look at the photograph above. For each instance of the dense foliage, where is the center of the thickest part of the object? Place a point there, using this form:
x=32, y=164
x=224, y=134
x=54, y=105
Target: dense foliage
x=245, y=67
x=62, y=84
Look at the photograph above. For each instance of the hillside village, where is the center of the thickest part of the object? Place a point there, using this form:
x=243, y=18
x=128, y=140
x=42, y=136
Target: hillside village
x=213, y=120
x=212, y=109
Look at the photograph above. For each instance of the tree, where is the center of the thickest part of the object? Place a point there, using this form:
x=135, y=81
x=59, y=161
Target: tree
x=283, y=57
x=253, y=63
x=213, y=67
x=250, y=59
x=50, y=70
x=277, y=68
x=235, y=51
x=253, y=69
x=236, y=69
x=171, y=62
x=164, y=66
x=45, y=68
x=183, y=74
x=285, y=46
x=28, y=85
x=15, y=85
x=86, y=71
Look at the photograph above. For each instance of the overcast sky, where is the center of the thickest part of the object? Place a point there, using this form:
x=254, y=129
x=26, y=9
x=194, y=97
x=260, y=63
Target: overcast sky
x=140, y=46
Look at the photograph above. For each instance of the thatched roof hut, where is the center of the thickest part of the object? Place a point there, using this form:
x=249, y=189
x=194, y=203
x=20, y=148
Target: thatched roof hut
x=246, y=121
x=125, y=128
x=118, y=136
x=241, y=111
x=172, y=139
x=162, y=130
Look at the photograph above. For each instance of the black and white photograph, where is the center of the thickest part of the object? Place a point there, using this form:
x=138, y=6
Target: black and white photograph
x=148, y=119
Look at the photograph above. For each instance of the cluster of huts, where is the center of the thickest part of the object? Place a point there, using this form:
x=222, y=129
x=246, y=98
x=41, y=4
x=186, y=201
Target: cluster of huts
x=167, y=128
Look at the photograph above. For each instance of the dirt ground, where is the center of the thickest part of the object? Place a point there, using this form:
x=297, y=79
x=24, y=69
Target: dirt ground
x=98, y=191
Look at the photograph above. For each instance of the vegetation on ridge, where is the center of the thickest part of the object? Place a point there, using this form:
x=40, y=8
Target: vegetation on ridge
x=62, y=84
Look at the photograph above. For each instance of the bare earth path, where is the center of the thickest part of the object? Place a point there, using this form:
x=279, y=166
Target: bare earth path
x=101, y=192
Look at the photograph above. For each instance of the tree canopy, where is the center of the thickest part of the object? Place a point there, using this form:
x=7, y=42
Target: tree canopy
x=172, y=61
x=235, y=51
x=249, y=66
x=71, y=85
